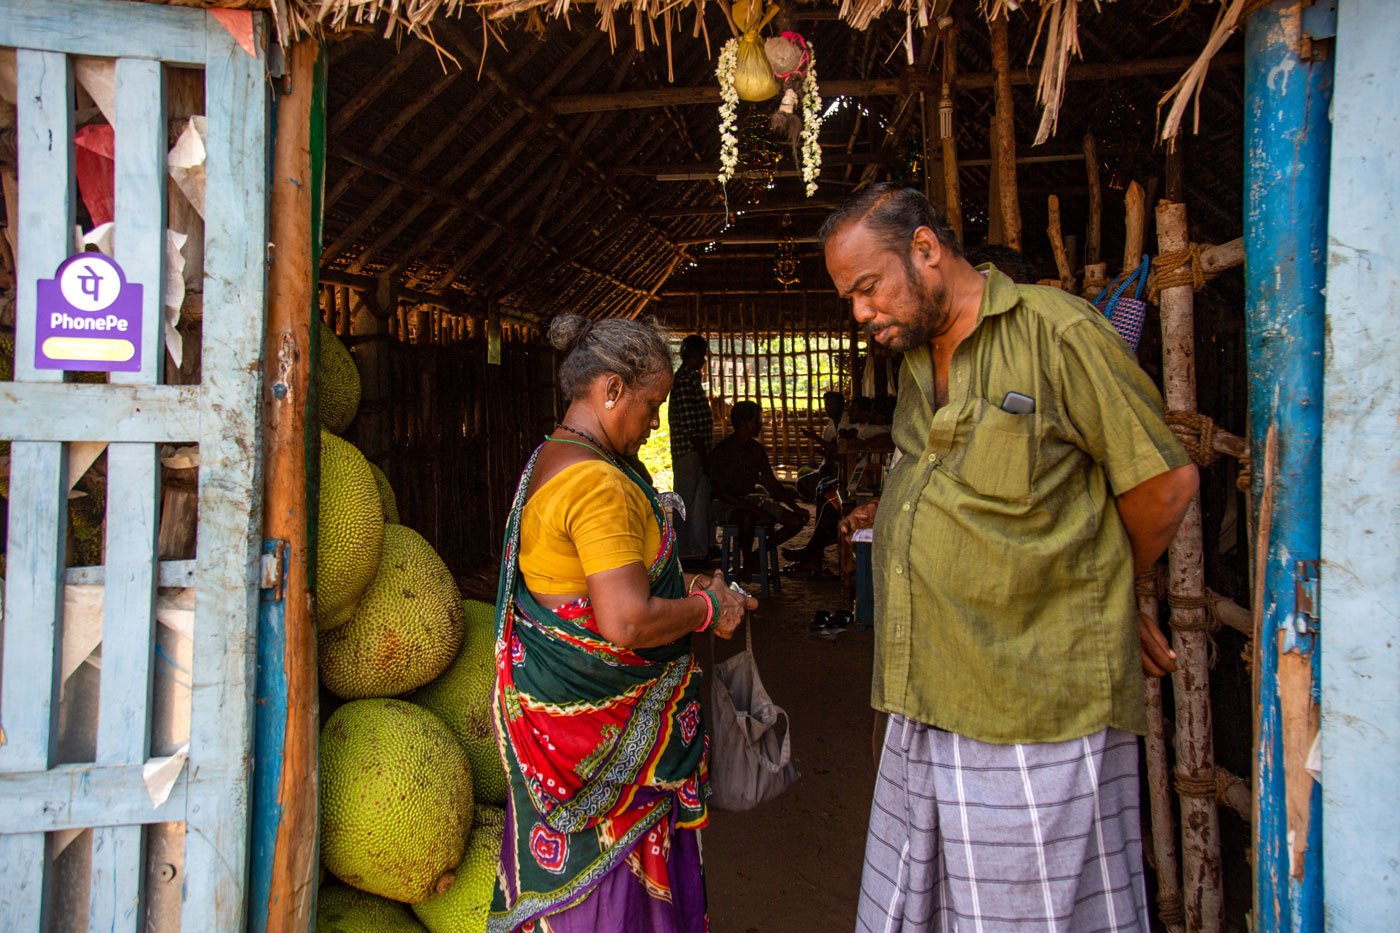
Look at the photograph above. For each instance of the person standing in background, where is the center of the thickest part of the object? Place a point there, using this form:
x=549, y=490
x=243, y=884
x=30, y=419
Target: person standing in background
x=692, y=432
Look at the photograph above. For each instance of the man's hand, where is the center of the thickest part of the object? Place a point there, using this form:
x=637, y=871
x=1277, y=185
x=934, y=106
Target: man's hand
x=1158, y=659
x=863, y=517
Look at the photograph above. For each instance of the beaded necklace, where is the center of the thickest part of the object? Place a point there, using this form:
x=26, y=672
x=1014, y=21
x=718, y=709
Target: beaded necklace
x=597, y=444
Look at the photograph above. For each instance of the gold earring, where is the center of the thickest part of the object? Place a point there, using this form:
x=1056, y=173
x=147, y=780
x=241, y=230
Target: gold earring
x=609, y=404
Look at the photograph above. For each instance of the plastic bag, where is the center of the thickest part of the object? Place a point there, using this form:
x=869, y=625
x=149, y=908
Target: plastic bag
x=750, y=744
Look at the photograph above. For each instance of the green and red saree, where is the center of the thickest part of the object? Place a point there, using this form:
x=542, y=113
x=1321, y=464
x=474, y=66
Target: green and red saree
x=607, y=759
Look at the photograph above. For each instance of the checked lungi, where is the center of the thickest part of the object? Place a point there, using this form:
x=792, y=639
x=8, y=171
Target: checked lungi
x=965, y=835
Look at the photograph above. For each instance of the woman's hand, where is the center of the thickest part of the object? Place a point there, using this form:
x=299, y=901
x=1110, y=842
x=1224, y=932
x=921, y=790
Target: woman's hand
x=732, y=605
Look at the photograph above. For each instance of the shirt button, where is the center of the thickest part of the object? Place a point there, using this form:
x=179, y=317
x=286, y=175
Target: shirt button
x=906, y=506
x=898, y=570
x=933, y=458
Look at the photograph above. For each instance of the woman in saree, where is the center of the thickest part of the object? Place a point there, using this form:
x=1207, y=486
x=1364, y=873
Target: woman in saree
x=597, y=703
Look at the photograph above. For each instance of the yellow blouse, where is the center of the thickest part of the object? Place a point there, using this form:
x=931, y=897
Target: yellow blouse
x=587, y=518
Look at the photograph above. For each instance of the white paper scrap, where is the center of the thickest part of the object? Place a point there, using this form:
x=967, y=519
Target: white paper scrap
x=174, y=294
x=161, y=774
x=1314, y=762
x=186, y=163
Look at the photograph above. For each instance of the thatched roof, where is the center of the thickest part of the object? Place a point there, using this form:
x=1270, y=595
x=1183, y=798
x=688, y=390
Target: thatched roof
x=561, y=173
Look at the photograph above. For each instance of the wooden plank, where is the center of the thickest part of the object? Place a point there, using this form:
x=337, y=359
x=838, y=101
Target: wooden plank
x=77, y=796
x=285, y=817
x=230, y=481
x=38, y=495
x=72, y=412
x=111, y=30
x=172, y=573
x=133, y=492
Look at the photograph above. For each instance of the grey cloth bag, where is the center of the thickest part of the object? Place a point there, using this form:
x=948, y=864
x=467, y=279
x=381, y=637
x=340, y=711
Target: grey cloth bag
x=750, y=745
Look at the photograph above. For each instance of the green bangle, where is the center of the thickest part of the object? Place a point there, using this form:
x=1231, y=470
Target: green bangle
x=711, y=609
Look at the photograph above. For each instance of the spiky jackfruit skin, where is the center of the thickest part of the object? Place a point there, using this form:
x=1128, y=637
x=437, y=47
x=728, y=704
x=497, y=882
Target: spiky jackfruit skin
x=396, y=799
x=464, y=907
x=350, y=531
x=340, y=383
x=342, y=909
x=387, y=500
x=406, y=629
x=461, y=697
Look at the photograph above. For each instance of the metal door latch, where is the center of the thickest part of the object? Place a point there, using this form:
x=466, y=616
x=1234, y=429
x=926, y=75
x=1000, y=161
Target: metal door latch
x=274, y=563
x=1307, y=596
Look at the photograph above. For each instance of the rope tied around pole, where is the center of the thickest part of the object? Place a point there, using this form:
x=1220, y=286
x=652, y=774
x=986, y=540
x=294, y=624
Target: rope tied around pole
x=1199, y=783
x=1146, y=585
x=1179, y=267
x=1207, y=622
x=1171, y=908
x=1196, y=433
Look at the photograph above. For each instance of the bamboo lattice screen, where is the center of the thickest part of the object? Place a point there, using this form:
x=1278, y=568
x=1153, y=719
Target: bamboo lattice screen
x=782, y=351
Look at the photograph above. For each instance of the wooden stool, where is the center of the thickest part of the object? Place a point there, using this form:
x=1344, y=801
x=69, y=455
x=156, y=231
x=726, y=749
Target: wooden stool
x=768, y=576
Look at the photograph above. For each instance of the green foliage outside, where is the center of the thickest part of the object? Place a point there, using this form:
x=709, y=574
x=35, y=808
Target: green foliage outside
x=656, y=452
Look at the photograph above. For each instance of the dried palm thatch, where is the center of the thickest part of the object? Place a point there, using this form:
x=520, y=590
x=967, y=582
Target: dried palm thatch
x=1058, y=25
x=1187, y=89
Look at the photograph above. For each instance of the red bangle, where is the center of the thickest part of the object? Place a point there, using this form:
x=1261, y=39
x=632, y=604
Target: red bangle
x=711, y=609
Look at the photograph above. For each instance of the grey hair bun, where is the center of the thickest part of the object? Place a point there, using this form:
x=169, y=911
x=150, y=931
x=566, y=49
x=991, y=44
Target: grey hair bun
x=632, y=350
x=565, y=330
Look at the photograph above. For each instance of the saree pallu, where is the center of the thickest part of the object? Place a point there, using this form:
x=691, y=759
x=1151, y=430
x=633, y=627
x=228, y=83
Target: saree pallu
x=607, y=760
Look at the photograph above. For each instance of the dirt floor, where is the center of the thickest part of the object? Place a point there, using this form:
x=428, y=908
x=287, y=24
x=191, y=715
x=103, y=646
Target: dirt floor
x=794, y=864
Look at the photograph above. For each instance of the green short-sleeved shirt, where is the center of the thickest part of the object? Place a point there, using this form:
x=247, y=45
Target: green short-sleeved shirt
x=1004, y=582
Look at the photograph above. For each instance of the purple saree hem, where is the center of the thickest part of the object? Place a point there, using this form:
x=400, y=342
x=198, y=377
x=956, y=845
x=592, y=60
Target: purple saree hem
x=621, y=903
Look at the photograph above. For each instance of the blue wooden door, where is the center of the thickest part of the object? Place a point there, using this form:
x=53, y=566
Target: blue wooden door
x=134, y=413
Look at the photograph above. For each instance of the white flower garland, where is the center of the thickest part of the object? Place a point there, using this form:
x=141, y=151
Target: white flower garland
x=811, y=124
x=728, y=111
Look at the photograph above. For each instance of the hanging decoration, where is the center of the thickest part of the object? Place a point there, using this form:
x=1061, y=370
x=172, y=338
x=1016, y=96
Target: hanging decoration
x=744, y=74
x=728, y=112
x=787, y=267
x=794, y=63
x=789, y=63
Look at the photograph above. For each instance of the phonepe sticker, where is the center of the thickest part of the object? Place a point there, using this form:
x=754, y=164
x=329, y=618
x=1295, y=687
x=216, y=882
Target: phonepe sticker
x=89, y=317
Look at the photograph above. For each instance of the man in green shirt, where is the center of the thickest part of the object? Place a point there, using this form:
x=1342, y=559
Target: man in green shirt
x=1036, y=479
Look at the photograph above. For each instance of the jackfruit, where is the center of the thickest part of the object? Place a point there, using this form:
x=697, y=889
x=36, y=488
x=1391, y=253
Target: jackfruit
x=464, y=907
x=340, y=383
x=350, y=531
x=387, y=500
x=342, y=909
x=461, y=697
x=396, y=799
x=406, y=629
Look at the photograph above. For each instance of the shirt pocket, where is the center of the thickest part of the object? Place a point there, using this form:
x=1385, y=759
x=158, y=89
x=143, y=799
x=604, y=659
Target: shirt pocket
x=999, y=452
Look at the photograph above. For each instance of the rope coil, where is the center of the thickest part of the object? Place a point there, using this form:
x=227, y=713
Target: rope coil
x=1199, y=783
x=1177, y=268
x=1207, y=622
x=1171, y=908
x=1196, y=433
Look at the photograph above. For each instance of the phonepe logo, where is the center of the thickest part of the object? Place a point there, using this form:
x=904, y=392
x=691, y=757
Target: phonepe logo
x=89, y=317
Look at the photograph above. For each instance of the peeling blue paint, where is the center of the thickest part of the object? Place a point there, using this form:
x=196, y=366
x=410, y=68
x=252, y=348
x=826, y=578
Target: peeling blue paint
x=1287, y=152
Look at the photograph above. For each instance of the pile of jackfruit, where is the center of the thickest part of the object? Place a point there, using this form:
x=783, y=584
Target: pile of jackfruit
x=412, y=784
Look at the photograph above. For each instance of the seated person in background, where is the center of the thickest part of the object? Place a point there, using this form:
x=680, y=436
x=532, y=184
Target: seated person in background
x=834, y=407
x=738, y=465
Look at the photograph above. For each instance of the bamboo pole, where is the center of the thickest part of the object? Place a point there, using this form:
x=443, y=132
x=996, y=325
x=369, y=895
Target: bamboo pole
x=1091, y=169
x=1057, y=246
x=1005, y=122
x=1136, y=229
x=291, y=318
x=952, y=187
x=1186, y=593
x=1159, y=790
